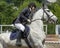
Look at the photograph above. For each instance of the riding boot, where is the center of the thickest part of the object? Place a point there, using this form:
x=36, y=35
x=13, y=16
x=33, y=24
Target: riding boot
x=25, y=34
x=18, y=42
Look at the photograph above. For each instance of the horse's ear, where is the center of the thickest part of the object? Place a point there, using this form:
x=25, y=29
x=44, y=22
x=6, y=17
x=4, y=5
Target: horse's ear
x=51, y=1
x=44, y=6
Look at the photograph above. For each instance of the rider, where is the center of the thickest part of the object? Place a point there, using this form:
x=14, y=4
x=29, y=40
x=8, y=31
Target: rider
x=24, y=18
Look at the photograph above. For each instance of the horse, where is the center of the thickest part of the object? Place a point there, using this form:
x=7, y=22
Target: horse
x=37, y=35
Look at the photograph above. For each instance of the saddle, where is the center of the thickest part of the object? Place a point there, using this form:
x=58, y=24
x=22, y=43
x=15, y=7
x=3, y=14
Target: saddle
x=14, y=33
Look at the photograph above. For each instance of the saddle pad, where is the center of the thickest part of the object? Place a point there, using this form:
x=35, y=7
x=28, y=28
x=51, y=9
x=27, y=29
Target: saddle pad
x=13, y=35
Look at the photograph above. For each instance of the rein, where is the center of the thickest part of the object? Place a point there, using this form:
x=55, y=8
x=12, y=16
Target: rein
x=35, y=20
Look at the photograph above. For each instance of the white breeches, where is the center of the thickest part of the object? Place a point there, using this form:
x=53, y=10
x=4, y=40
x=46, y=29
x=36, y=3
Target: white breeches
x=20, y=26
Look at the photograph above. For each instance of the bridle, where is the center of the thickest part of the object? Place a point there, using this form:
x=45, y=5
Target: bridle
x=44, y=11
x=49, y=17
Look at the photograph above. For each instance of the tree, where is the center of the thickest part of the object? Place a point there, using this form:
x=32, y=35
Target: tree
x=39, y=1
x=17, y=2
x=58, y=2
x=6, y=13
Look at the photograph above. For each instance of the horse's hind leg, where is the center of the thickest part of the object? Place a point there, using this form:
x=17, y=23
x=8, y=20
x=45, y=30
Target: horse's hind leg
x=2, y=44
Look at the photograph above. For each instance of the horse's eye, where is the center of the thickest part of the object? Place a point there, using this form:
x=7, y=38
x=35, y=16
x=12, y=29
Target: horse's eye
x=48, y=10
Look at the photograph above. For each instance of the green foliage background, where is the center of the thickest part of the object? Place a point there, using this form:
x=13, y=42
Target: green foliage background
x=8, y=12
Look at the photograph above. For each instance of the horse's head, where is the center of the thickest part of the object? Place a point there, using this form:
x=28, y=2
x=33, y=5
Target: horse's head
x=45, y=14
x=50, y=17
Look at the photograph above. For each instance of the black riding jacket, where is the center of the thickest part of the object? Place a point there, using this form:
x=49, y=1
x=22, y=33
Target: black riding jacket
x=23, y=16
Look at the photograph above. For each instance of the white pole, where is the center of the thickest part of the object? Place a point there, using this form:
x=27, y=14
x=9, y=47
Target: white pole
x=1, y=28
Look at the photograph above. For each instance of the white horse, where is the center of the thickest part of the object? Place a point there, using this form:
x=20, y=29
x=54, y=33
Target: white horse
x=37, y=34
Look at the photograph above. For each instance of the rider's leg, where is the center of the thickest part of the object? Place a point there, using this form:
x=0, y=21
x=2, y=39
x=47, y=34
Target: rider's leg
x=21, y=28
x=26, y=31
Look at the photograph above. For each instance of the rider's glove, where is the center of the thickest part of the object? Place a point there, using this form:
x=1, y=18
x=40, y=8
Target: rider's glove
x=28, y=20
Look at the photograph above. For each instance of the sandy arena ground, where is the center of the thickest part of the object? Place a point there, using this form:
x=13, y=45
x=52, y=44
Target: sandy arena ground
x=49, y=45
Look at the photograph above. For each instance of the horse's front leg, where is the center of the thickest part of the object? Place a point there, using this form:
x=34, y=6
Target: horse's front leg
x=28, y=42
x=41, y=44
